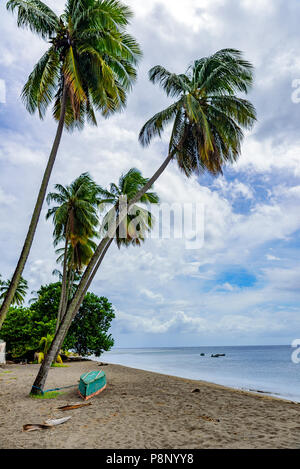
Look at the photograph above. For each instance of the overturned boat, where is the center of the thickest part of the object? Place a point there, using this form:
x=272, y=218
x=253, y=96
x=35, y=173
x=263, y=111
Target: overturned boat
x=91, y=384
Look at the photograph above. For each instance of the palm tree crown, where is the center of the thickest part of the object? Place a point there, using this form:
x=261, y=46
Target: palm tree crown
x=139, y=220
x=89, y=66
x=20, y=293
x=90, y=55
x=75, y=219
x=208, y=117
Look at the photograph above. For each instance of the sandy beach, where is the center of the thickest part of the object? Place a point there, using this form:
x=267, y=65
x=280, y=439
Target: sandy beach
x=142, y=410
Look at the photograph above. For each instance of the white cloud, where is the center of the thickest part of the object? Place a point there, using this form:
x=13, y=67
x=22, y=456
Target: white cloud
x=163, y=287
x=234, y=189
x=265, y=157
x=264, y=7
x=270, y=257
x=151, y=295
x=2, y=91
x=180, y=321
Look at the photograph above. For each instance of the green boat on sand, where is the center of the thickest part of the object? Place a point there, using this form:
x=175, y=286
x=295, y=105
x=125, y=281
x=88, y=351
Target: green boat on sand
x=91, y=384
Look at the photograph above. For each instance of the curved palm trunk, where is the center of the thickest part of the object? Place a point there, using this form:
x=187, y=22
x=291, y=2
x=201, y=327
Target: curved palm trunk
x=80, y=301
x=111, y=233
x=64, y=301
x=85, y=282
x=35, y=216
x=63, y=285
x=60, y=336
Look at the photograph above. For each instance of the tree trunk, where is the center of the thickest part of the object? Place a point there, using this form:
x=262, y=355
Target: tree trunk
x=87, y=287
x=63, y=283
x=57, y=342
x=86, y=280
x=35, y=216
x=64, y=305
x=111, y=233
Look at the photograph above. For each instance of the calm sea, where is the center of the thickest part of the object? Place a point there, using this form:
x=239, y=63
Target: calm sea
x=266, y=369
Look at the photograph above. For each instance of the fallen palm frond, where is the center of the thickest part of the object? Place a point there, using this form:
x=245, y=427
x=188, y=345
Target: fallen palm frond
x=30, y=427
x=73, y=406
x=53, y=422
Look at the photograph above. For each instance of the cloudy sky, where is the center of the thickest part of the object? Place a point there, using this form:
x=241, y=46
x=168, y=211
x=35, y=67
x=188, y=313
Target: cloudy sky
x=242, y=286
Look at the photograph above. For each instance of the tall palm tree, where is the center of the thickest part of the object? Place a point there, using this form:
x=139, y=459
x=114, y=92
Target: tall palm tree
x=75, y=220
x=138, y=222
x=208, y=118
x=89, y=66
x=20, y=292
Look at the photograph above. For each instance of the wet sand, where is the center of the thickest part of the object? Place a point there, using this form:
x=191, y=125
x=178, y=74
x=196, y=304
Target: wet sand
x=142, y=410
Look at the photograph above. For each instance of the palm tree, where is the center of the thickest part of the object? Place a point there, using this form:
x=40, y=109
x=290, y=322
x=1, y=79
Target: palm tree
x=46, y=342
x=208, y=120
x=138, y=222
x=132, y=230
x=20, y=292
x=89, y=66
x=75, y=220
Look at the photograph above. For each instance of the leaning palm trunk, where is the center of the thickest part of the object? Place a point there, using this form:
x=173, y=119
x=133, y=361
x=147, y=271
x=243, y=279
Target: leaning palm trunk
x=92, y=266
x=35, y=216
x=64, y=303
x=209, y=119
x=63, y=285
x=109, y=241
x=80, y=301
x=85, y=282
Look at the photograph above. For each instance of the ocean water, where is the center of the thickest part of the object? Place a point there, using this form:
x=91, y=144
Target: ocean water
x=267, y=369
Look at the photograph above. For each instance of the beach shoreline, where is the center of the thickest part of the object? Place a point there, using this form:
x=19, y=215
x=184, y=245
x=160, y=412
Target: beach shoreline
x=143, y=410
x=259, y=392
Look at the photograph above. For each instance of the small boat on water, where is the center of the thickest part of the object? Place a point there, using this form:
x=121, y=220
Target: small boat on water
x=91, y=384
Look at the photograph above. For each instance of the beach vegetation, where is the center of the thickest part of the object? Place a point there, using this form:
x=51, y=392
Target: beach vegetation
x=47, y=395
x=88, y=334
x=75, y=221
x=19, y=294
x=89, y=66
x=137, y=223
x=45, y=342
x=208, y=119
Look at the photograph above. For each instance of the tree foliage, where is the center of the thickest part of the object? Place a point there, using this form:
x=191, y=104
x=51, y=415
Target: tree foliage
x=20, y=293
x=139, y=220
x=90, y=55
x=88, y=332
x=208, y=115
x=22, y=332
x=25, y=327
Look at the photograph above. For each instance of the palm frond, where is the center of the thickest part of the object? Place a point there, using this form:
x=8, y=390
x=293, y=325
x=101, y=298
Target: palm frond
x=208, y=118
x=40, y=88
x=157, y=124
x=174, y=85
x=35, y=15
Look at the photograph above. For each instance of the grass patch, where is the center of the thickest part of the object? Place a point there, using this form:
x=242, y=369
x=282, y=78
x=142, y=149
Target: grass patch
x=5, y=372
x=47, y=395
x=59, y=365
